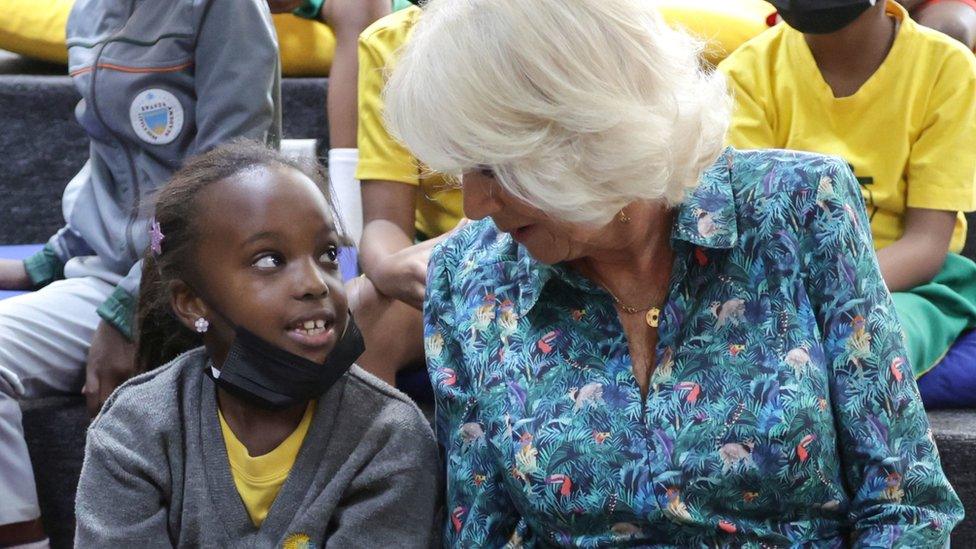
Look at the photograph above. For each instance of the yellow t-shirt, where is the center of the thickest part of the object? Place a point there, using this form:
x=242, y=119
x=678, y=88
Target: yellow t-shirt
x=258, y=479
x=438, y=206
x=909, y=132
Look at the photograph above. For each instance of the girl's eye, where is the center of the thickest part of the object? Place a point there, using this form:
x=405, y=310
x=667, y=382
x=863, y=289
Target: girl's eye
x=330, y=256
x=270, y=261
x=486, y=171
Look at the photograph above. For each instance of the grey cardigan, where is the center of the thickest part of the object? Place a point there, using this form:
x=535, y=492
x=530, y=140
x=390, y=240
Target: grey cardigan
x=156, y=472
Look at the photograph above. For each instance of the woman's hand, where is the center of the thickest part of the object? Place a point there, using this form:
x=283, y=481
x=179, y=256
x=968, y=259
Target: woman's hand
x=13, y=275
x=111, y=361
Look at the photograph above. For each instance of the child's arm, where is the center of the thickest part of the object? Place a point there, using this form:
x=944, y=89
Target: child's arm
x=918, y=255
x=119, y=503
x=387, y=252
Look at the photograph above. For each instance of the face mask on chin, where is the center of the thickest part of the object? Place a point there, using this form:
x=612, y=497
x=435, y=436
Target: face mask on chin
x=820, y=16
x=272, y=378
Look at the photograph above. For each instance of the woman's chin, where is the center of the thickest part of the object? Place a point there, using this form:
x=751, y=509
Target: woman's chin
x=545, y=254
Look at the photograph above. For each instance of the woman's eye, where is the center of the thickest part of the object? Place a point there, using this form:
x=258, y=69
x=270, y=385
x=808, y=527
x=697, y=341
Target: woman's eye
x=330, y=256
x=268, y=262
x=485, y=171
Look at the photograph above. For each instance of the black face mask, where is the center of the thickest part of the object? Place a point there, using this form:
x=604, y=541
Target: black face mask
x=270, y=377
x=820, y=16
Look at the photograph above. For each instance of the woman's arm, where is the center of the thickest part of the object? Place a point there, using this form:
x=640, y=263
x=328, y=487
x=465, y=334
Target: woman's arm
x=899, y=493
x=480, y=512
x=917, y=256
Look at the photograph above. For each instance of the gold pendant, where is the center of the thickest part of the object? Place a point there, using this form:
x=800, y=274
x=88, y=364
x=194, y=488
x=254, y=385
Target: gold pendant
x=652, y=317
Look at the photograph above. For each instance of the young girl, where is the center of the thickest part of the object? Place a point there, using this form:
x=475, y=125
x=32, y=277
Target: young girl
x=268, y=435
x=159, y=82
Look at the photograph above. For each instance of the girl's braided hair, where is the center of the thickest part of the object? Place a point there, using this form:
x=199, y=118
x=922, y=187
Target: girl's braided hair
x=161, y=336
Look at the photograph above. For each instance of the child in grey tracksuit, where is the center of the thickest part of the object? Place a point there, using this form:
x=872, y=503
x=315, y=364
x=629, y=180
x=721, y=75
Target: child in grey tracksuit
x=159, y=80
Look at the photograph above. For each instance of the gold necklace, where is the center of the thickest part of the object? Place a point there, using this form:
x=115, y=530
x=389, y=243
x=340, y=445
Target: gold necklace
x=652, y=317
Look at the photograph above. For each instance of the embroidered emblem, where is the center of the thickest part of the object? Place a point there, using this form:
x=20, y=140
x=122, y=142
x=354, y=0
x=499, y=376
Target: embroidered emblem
x=156, y=116
x=298, y=541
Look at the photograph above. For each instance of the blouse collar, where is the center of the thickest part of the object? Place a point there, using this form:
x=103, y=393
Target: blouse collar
x=707, y=219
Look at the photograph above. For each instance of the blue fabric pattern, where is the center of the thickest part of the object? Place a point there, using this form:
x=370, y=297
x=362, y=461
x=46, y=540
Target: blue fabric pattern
x=781, y=411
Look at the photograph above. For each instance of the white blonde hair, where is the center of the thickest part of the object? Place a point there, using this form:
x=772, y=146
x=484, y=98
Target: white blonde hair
x=579, y=106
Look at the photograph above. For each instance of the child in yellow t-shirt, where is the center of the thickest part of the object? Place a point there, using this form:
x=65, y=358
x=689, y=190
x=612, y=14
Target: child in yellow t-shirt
x=896, y=100
x=406, y=211
x=347, y=19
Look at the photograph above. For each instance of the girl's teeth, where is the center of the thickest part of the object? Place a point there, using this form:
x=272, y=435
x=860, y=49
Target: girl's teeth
x=320, y=324
x=309, y=324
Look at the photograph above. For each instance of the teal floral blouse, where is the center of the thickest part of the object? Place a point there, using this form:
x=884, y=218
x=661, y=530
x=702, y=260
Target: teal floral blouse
x=781, y=413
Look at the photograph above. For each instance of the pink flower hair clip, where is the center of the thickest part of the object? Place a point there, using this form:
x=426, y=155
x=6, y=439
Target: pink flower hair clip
x=156, y=237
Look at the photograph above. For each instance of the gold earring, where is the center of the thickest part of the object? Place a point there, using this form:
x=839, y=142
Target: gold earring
x=623, y=217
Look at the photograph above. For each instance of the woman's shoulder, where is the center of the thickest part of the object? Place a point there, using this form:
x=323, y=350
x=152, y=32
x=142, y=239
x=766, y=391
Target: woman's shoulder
x=150, y=402
x=767, y=172
x=476, y=244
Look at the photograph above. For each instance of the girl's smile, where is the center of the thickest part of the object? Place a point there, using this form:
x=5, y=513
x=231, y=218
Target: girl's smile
x=315, y=330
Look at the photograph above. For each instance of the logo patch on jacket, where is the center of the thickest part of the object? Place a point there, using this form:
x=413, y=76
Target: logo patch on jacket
x=298, y=541
x=156, y=116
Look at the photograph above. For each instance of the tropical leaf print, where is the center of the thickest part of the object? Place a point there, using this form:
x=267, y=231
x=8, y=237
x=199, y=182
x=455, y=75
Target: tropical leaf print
x=781, y=411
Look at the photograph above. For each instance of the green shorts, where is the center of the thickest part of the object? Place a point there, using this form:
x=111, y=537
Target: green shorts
x=934, y=314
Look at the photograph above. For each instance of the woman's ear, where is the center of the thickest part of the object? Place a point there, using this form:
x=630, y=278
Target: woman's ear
x=187, y=305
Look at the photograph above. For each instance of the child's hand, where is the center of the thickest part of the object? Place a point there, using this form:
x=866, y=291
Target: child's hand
x=111, y=361
x=13, y=275
x=404, y=274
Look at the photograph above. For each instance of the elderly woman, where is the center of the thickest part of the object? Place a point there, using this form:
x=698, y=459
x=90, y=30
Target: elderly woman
x=648, y=339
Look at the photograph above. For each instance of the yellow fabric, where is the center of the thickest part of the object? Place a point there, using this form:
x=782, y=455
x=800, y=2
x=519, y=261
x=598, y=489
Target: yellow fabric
x=306, y=47
x=909, y=132
x=37, y=30
x=258, y=479
x=438, y=204
x=723, y=24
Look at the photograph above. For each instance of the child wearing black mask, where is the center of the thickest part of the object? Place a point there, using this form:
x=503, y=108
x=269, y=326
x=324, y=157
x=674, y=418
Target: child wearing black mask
x=269, y=435
x=860, y=80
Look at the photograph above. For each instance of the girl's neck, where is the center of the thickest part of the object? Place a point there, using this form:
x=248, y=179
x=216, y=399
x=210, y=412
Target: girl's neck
x=849, y=57
x=258, y=429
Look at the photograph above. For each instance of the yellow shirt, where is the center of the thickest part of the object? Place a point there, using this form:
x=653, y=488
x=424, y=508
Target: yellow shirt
x=258, y=479
x=909, y=132
x=438, y=205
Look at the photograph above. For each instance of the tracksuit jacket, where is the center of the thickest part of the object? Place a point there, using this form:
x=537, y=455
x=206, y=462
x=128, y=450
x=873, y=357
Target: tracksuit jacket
x=160, y=81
